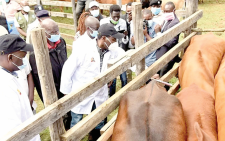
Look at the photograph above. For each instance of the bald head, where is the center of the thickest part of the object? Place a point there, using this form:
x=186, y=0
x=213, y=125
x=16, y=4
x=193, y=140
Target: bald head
x=50, y=26
x=24, y=3
x=92, y=22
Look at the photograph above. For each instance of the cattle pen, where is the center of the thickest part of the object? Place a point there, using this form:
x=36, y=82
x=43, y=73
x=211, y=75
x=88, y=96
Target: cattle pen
x=54, y=109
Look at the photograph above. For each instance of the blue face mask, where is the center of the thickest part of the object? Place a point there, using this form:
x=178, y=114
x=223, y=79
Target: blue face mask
x=94, y=33
x=6, y=1
x=24, y=62
x=155, y=11
x=54, y=38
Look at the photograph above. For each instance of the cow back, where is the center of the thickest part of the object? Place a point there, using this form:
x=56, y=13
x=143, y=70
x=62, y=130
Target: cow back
x=201, y=61
x=198, y=106
x=149, y=114
x=220, y=100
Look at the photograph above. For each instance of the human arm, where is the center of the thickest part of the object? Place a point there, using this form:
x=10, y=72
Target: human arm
x=69, y=68
x=30, y=88
x=145, y=32
x=21, y=31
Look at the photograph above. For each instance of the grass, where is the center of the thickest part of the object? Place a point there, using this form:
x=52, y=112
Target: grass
x=213, y=17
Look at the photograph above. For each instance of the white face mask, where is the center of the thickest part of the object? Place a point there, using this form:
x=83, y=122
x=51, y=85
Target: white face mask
x=26, y=8
x=95, y=13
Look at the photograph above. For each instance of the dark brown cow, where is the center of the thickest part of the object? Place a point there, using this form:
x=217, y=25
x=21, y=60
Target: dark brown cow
x=199, y=113
x=220, y=100
x=201, y=62
x=149, y=114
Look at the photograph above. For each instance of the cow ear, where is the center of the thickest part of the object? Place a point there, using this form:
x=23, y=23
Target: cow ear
x=198, y=132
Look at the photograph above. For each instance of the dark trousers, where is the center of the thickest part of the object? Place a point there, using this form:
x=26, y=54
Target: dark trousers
x=123, y=78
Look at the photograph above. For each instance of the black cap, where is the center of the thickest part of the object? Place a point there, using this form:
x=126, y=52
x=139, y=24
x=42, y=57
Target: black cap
x=11, y=43
x=42, y=13
x=155, y=2
x=38, y=8
x=109, y=30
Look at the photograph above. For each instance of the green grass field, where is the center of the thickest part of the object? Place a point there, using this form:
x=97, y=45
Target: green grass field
x=213, y=17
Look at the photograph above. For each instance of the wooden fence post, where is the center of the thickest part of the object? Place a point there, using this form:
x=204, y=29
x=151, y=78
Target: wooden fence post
x=138, y=32
x=38, y=2
x=74, y=15
x=119, y=2
x=191, y=8
x=46, y=78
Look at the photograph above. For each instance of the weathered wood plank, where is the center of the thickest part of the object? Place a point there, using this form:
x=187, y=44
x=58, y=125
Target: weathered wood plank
x=40, y=121
x=208, y=30
x=66, y=26
x=69, y=46
x=74, y=15
x=170, y=74
x=107, y=135
x=77, y=132
x=61, y=14
x=138, y=33
x=174, y=88
x=67, y=36
x=105, y=127
x=46, y=78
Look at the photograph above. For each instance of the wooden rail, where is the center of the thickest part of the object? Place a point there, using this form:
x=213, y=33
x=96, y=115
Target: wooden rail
x=40, y=121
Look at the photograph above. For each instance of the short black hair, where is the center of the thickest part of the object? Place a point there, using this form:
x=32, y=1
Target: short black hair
x=147, y=11
x=171, y=4
x=115, y=8
x=129, y=4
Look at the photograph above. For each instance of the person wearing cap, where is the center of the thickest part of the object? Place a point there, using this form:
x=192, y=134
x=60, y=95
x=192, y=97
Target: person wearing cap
x=85, y=63
x=41, y=15
x=121, y=26
x=23, y=19
x=94, y=10
x=14, y=102
x=155, y=6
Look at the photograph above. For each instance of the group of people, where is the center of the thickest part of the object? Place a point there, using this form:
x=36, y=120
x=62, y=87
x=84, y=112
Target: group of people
x=98, y=40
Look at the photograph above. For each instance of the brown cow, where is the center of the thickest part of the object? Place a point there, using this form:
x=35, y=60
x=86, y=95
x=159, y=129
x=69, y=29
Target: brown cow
x=198, y=107
x=149, y=114
x=201, y=61
x=220, y=100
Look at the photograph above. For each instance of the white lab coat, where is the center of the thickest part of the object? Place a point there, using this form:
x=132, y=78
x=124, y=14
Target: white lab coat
x=82, y=66
x=14, y=104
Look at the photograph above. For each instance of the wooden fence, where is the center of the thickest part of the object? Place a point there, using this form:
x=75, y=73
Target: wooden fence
x=51, y=115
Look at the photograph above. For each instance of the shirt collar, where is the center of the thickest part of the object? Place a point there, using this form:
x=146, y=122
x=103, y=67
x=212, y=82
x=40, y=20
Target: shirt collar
x=53, y=47
x=12, y=73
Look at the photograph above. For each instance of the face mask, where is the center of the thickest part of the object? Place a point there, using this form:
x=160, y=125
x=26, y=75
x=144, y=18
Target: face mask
x=155, y=11
x=150, y=22
x=24, y=62
x=95, y=13
x=114, y=22
x=169, y=16
x=54, y=38
x=26, y=8
x=106, y=44
x=94, y=33
x=6, y=1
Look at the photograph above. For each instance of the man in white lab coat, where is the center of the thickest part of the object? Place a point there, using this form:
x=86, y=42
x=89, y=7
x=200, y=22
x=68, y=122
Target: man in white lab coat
x=86, y=62
x=14, y=103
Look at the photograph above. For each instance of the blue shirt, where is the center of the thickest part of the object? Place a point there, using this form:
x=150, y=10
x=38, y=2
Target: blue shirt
x=151, y=58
